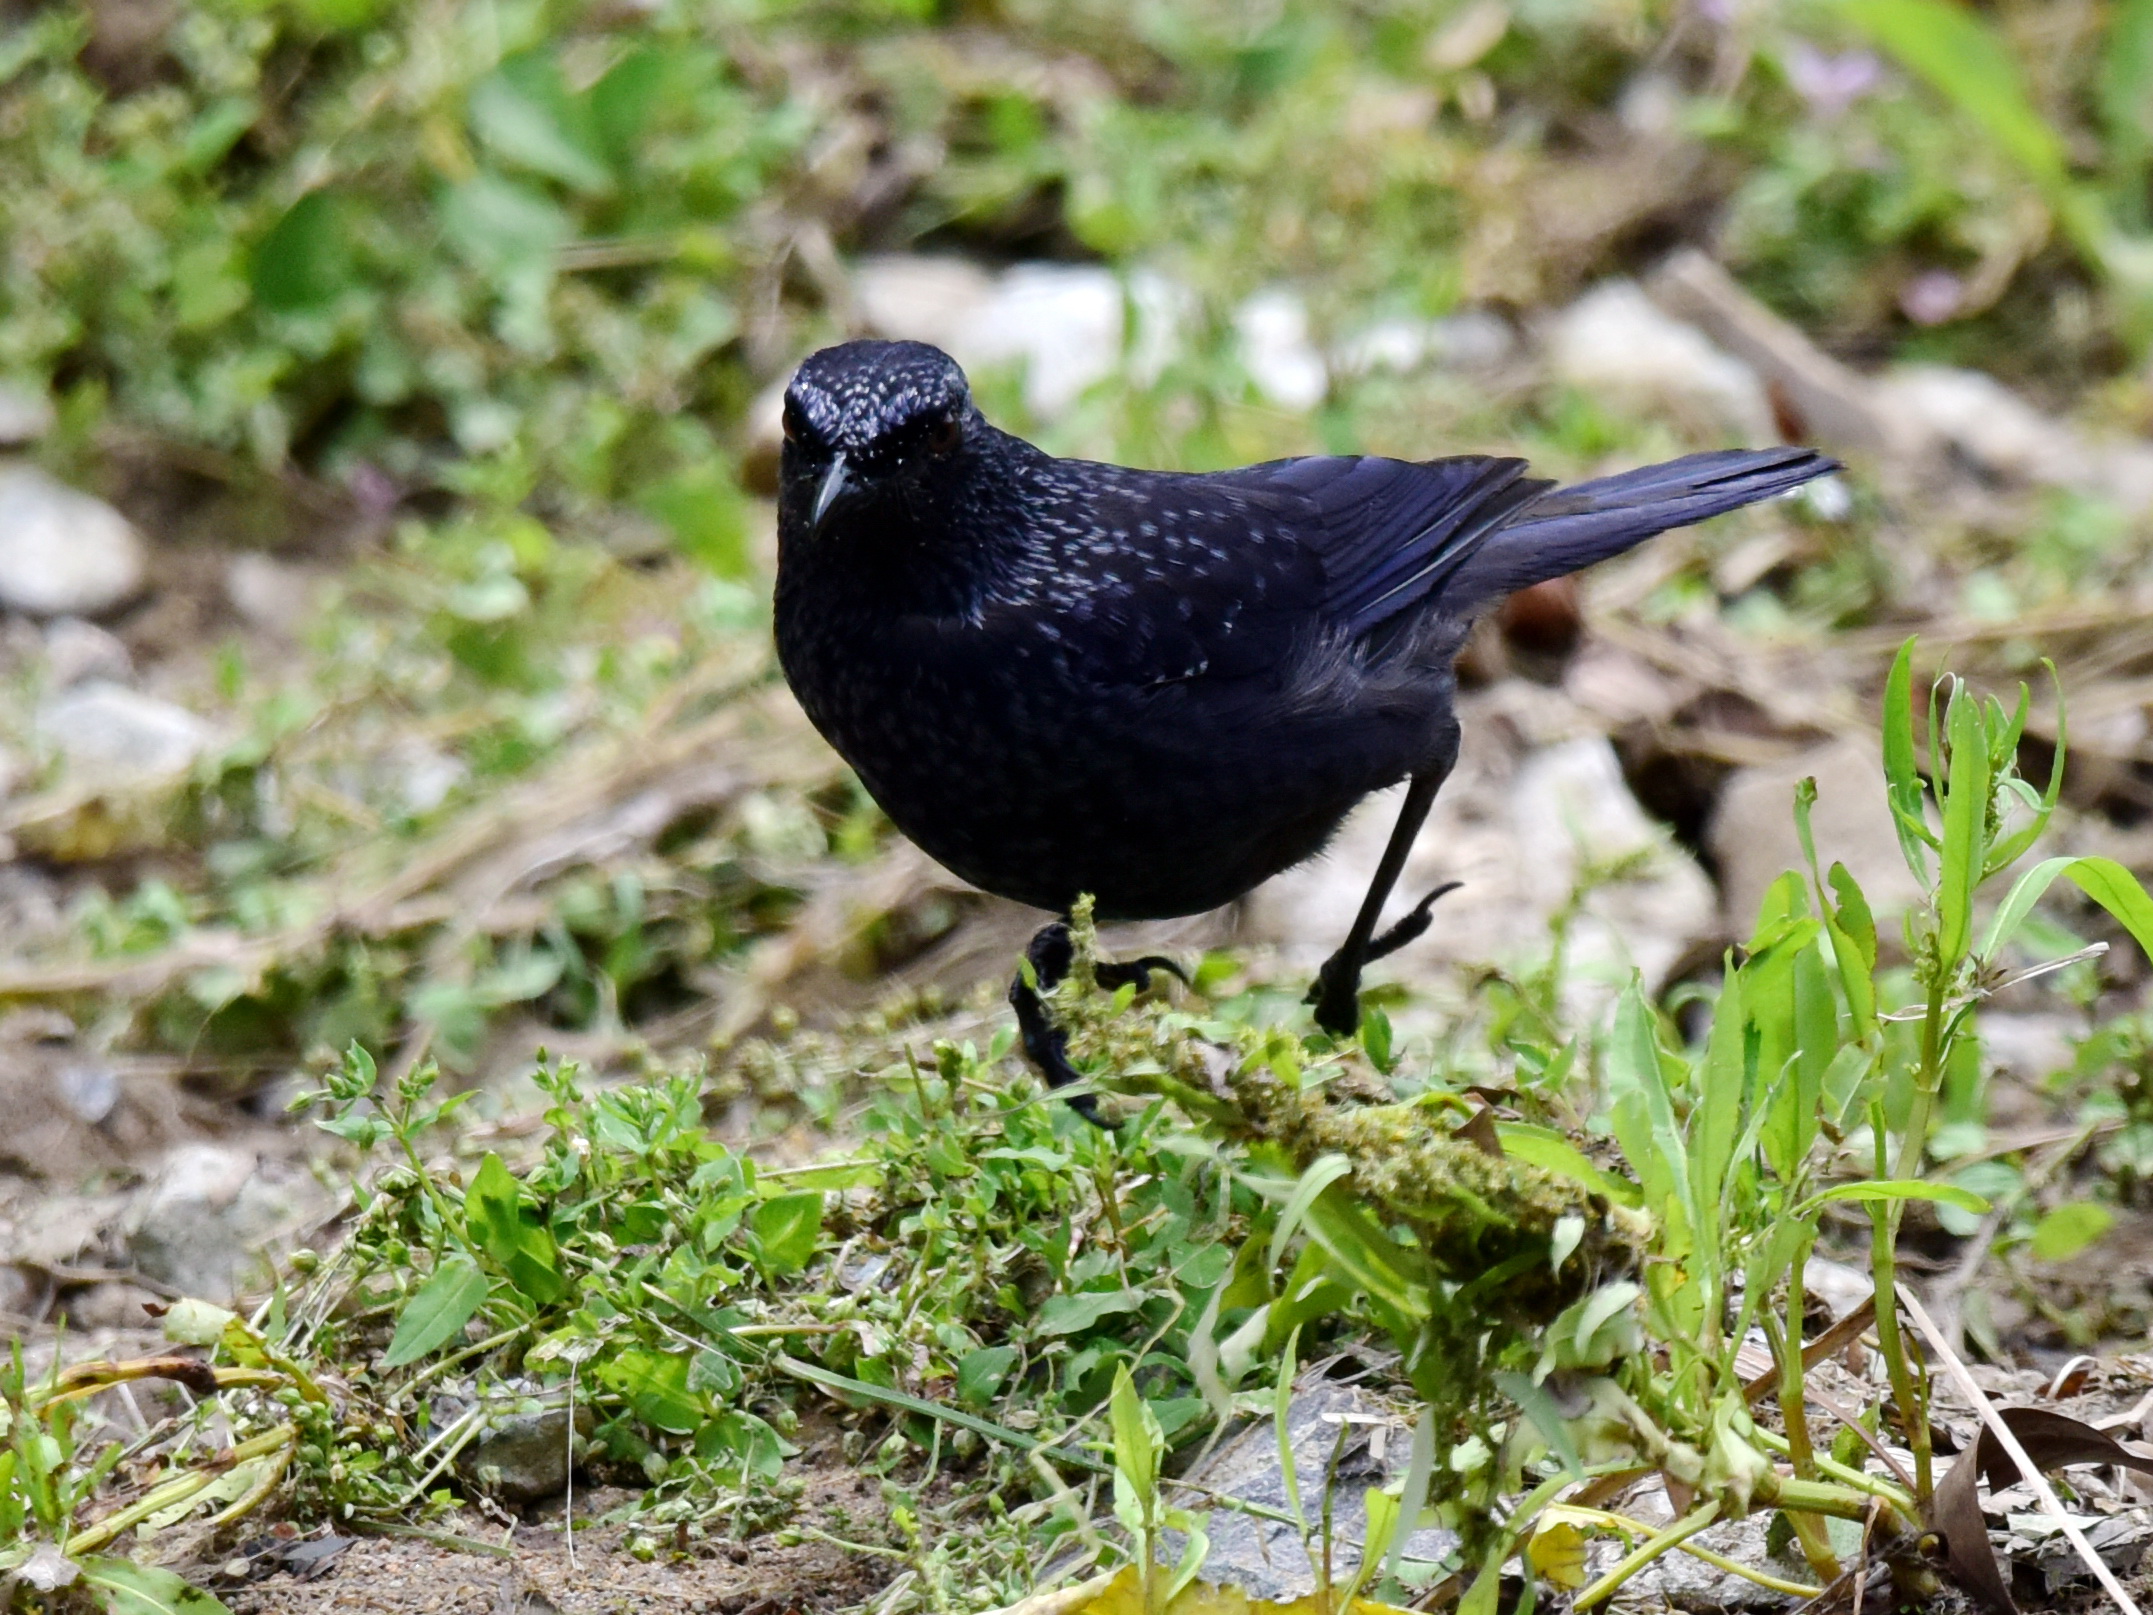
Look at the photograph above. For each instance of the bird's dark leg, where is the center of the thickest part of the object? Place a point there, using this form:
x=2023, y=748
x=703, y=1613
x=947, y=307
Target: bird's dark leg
x=1050, y=954
x=1337, y=991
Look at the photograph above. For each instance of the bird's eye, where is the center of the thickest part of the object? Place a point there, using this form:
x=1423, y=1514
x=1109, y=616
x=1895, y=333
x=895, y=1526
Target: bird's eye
x=945, y=434
x=794, y=423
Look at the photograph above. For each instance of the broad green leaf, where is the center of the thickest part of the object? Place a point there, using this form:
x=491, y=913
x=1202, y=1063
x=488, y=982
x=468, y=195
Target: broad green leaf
x=737, y=1440
x=1724, y=1080
x=512, y=1235
x=2117, y=890
x=1136, y=1437
x=1851, y=911
x=1537, y=1404
x=2065, y=1230
x=1362, y=1252
x=1321, y=1174
x=126, y=1588
x=437, y=1314
x=1948, y=1194
x=980, y=1373
x=1550, y=1151
x=1068, y=1314
x=524, y=113
x=2104, y=880
x=655, y=1384
x=305, y=260
x=786, y=1230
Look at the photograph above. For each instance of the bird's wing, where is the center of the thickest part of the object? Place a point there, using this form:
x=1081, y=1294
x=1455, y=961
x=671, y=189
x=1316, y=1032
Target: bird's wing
x=1388, y=534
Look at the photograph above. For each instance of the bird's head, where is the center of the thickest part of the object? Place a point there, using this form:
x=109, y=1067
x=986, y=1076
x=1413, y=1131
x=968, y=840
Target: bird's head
x=869, y=422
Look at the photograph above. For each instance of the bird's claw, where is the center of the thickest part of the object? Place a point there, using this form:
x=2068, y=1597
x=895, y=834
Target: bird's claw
x=1336, y=992
x=1047, y=1045
x=1114, y=974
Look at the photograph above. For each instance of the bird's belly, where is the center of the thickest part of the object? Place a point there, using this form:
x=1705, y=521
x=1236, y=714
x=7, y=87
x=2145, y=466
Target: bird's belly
x=1039, y=791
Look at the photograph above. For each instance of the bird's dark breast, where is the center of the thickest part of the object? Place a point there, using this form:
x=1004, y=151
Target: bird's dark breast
x=1035, y=786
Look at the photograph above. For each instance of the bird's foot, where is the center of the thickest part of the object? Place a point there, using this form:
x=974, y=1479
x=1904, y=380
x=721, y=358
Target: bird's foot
x=1337, y=990
x=1050, y=954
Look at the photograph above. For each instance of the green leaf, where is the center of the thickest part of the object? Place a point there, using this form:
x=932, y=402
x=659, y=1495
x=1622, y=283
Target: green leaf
x=511, y=1234
x=437, y=1314
x=1948, y=1194
x=1361, y=1252
x=1902, y=774
x=502, y=227
x=2065, y=1230
x=1321, y=1174
x=1966, y=60
x=305, y=261
x=524, y=113
x=655, y=1385
x=1643, y=1110
x=980, y=1373
x=2104, y=880
x=1725, y=1078
x=126, y=1588
x=1538, y=1405
x=1067, y=1314
x=2117, y=890
x=1136, y=1437
x=1550, y=1151
x=738, y=1441
x=1966, y=809
x=786, y=1230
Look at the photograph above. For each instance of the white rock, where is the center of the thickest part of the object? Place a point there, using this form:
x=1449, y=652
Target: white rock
x=1277, y=351
x=920, y=299
x=76, y=651
x=1617, y=344
x=1471, y=340
x=25, y=416
x=62, y=552
x=272, y=595
x=1066, y=325
x=110, y=734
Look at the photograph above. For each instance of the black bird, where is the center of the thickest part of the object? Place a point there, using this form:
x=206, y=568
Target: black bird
x=1060, y=677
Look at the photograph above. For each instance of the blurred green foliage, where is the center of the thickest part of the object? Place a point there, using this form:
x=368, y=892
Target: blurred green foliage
x=403, y=233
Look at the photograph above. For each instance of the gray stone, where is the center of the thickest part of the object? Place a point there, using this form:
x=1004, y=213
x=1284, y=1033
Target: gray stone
x=111, y=735
x=77, y=651
x=1265, y=1557
x=1620, y=346
x=1536, y=808
x=523, y=1457
x=63, y=553
x=25, y=415
x=213, y=1214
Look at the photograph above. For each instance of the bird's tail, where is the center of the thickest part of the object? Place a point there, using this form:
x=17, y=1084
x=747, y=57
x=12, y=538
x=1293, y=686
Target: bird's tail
x=1570, y=528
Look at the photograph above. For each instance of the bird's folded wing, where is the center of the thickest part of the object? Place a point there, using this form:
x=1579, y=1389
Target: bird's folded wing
x=1389, y=533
